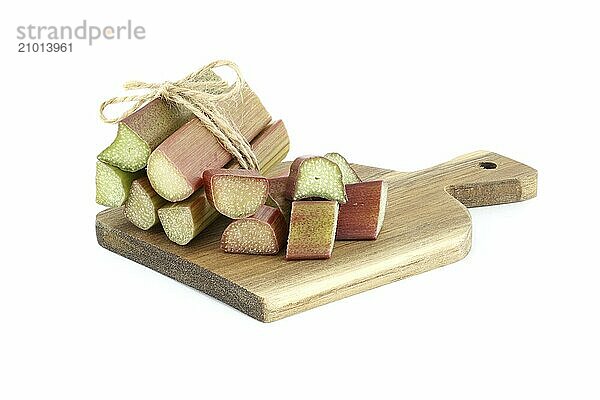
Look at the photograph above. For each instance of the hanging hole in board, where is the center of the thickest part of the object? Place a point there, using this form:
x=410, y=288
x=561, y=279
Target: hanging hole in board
x=488, y=165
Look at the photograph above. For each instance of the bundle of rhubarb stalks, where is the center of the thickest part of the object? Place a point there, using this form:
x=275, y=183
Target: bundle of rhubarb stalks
x=166, y=168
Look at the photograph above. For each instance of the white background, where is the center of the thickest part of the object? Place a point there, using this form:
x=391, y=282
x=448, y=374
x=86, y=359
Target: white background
x=402, y=87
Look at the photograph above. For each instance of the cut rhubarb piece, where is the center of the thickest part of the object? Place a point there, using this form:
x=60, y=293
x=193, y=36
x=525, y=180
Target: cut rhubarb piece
x=348, y=174
x=315, y=177
x=235, y=193
x=312, y=230
x=263, y=233
x=276, y=198
x=141, y=132
x=361, y=218
x=141, y=207
x=176, y=166
x=112, y=184
x=184, y=220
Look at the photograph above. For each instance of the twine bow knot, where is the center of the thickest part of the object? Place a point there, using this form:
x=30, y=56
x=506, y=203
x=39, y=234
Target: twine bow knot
x=165, y=89
x=200, y=93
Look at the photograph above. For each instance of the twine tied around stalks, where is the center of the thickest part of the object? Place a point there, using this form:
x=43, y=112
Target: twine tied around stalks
x=199, y=94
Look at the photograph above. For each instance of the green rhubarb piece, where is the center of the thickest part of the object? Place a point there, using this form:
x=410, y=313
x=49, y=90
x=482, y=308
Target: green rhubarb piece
x=112, y=184
x=315, y=177
x=128, y=151
x=348, y=174
x=184, y=220
x=141, y=207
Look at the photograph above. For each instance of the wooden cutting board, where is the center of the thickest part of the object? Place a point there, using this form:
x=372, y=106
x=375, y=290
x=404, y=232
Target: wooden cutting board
x=427, y=225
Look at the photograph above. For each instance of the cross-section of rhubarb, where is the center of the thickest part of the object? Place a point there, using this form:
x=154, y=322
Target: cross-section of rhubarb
x=182, y=221
x=176, y=166
x=141, y=207
x=318, y=177
x=235, y=193
x=348, y=174
x=112, y=184
x=262, y=233
x=361, y=218
x=312, y=230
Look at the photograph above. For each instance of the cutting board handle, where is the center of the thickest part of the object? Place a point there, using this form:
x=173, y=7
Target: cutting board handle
x=483, y=178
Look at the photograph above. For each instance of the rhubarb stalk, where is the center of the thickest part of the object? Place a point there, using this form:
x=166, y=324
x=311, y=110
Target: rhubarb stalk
x=184, y=220
x=361, y=218
x=235, y=193
x=262, y=233
x=176, y=166
x=315, y=177
x=142, y=205
x=312, y=230
x=112, y=184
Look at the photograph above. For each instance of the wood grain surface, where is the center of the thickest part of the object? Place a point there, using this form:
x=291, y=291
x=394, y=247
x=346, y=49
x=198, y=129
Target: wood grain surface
x=427, y=225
